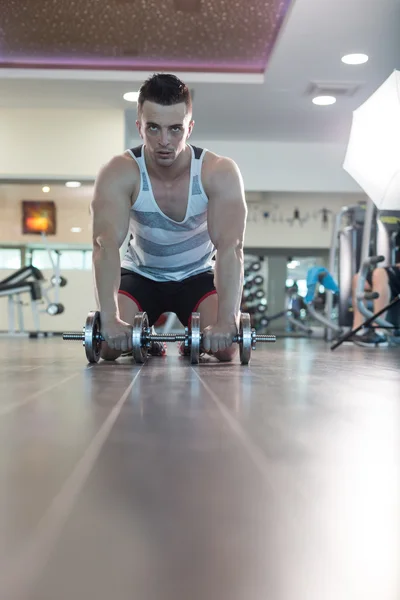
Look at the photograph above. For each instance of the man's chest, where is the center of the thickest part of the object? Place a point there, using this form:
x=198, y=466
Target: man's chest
x=172, y=198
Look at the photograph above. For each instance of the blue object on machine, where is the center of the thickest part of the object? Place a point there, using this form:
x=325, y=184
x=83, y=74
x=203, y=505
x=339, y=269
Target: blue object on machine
x=319, y=276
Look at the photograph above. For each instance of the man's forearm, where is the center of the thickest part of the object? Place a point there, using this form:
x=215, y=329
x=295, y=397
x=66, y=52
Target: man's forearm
x=229, y=283
x=106, y=272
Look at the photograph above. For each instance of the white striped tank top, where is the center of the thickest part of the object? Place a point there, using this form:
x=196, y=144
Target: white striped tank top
x=163, y=249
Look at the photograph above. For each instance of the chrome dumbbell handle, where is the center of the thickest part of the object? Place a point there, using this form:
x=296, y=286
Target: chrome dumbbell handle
x=150, y=337
x=74, y=336
x=165, y=337
x=142, y=337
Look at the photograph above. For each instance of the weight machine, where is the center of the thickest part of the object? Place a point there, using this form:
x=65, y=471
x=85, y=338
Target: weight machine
x=30, y=280
x=388, y=241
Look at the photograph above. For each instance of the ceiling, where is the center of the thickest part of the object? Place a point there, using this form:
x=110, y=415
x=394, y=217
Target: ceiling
x=211, y=35
x=301, y=49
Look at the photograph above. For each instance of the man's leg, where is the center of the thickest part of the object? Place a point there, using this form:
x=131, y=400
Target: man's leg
x=198, y=294
x=138, y=294
x=358, y=318
x=380, y=284
x=373, y=338
x=208, y=309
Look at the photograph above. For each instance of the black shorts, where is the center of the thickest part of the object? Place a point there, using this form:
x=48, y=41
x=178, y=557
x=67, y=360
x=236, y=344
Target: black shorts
x=156, y=298
x=393, y=274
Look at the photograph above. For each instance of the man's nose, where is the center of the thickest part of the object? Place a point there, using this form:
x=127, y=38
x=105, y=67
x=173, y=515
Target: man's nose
x=164, y=137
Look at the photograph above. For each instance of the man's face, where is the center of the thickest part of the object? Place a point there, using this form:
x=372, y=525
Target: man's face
x=164, y=130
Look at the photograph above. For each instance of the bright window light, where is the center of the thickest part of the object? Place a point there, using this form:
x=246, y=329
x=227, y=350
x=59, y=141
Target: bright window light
x=10, y=258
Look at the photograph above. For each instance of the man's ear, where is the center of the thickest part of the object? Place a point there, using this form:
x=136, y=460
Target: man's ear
x=139, y=128
x=190, y=129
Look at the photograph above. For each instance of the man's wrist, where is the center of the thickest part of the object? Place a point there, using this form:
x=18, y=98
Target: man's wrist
x=108, y=316
x=228, y=321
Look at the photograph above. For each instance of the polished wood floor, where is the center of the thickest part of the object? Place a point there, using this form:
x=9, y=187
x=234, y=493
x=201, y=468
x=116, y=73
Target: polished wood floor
x=277, y=481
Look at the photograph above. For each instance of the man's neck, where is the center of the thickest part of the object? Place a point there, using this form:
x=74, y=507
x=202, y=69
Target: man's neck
x=172, y=172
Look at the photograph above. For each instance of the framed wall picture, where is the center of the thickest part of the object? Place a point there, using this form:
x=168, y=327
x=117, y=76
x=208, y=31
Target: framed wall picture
x=38, y=216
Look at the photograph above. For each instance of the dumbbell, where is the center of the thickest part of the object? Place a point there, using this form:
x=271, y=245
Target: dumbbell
x=142, y=337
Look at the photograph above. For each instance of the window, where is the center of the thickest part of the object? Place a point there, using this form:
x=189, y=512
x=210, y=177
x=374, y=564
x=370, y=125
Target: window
x=41, y=259
x=87, y=264
x=69, y=259
x=72, y=259
x=10, y=258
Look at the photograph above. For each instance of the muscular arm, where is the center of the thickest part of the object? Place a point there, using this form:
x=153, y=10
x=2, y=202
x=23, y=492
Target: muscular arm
x=227, y=213
x=110, y=223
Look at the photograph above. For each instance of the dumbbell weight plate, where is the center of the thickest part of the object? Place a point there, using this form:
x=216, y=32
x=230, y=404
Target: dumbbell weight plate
x=195, y=335
x=139, y=332
x=245, y=337
x=92, y=340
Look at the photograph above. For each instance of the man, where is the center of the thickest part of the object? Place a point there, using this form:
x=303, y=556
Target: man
x=385, y=281
x=180, y=204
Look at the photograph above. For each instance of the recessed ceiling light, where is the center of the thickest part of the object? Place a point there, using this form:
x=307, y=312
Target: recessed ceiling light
x=73, y=184
x=355, y=59
x=131, y=96
x=324, y=100
x=46, y=189
x=76, y=229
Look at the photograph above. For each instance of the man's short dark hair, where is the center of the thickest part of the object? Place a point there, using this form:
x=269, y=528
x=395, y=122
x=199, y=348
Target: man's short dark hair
x=164, y=89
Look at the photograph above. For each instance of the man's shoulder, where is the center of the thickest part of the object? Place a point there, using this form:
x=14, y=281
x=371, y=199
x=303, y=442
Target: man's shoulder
x=218, y=162
x=119, y=175
x=218, y=168
x=121, y=166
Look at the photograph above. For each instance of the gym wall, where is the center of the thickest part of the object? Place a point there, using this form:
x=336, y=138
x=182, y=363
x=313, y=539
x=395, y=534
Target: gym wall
x=58, y=143
x=72, y=210
x=73, y=144
x=271, y=216
x=293, y=220
x=284, y=167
